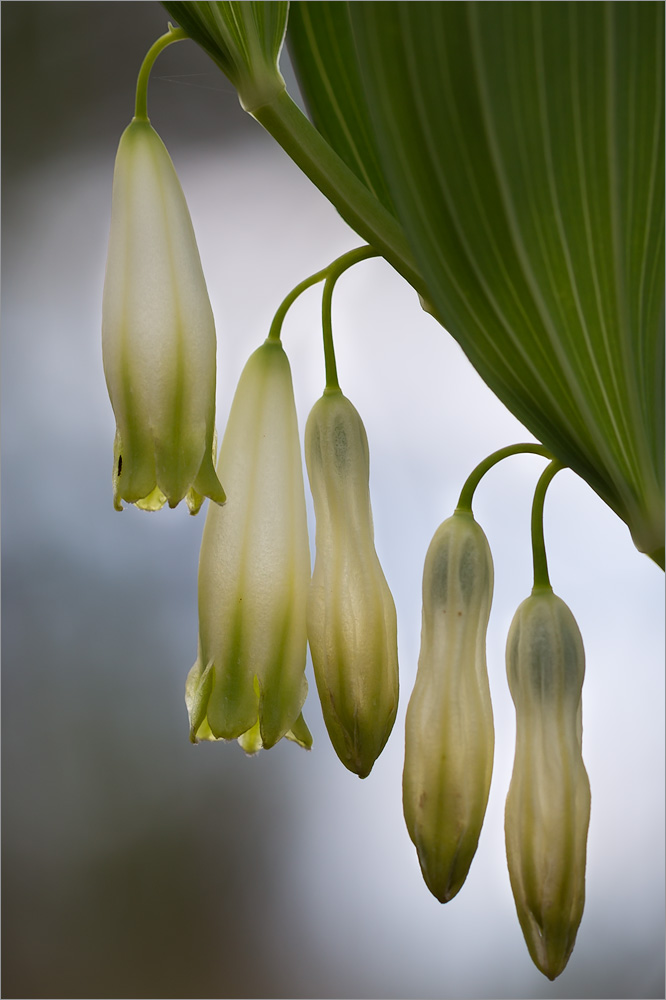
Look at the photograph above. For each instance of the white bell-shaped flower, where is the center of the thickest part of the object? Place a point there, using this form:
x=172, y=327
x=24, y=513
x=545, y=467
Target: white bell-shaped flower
x=248, y=682
x=158, y=335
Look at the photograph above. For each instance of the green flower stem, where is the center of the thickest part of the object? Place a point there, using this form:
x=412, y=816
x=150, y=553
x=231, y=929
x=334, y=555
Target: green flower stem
x=337, y=268
x=331, y=273
x=473, y=480
x=356, y=204
x=541, y=578
x=278, y=319
x=172, y=35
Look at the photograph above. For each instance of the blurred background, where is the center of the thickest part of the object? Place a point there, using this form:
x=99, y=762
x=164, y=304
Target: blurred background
x=137, y=865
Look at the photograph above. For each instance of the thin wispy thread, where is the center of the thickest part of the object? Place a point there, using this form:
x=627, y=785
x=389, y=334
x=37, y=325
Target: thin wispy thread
x=184, y=78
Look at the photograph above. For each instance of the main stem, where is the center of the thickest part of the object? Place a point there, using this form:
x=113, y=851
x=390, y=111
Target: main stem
x=357, y=205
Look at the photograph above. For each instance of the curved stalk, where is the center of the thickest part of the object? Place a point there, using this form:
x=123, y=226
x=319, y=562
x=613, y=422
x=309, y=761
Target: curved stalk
x=286, y=304
x=141, y=103
x=475, y=477
x=541, y=578
x=337, y=268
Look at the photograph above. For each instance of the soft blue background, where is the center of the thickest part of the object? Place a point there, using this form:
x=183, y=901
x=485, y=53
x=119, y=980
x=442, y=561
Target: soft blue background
x=134, y=864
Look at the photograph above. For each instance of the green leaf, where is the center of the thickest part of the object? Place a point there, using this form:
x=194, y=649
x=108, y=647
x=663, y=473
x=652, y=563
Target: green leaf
x=321, y=42
x=522, y=146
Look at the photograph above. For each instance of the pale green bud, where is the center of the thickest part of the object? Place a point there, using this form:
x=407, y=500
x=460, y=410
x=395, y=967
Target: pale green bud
x=548, y=805
x=351, y=616
x=158, y=335
x=449, y=734
x=249, y=679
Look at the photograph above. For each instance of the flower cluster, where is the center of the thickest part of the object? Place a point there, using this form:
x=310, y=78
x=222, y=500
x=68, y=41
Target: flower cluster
x=257, y=605
x=260, y=607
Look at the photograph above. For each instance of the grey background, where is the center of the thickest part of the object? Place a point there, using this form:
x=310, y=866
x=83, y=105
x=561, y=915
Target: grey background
x=135, y=865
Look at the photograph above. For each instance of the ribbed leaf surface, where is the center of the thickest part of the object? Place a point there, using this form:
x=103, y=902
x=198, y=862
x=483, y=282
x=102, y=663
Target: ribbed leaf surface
x=522, y=144
x=322, y=48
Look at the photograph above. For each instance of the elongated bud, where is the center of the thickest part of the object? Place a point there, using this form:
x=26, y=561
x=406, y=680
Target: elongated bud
x=249, y=679
x=548, y=805
x=351, y=616
x=449, y=734
x=158, y=335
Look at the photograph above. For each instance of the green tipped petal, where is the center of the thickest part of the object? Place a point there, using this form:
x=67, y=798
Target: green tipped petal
x=197, y=692
x=158, y=334
x=299, y=733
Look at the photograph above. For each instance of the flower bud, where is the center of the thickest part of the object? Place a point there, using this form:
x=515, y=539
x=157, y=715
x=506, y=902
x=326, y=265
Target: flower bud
x=248, y=682
x=548, y=805
x=352, y=626
x=449, y=734
x=158, y=335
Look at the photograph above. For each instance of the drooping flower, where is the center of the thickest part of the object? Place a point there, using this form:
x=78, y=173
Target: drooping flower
x=548, y=805
x=248, y=682
x=158, y=335
x=352, y=627
x=449, y=733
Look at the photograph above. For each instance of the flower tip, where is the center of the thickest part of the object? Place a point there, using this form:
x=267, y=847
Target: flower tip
x=448, y=894
x=552, y=966
x=359, y=763
x=362, y=770
x=194, y=502
x=300, y=734
x=251, y=741
x=444, y=880
x=217, y=496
